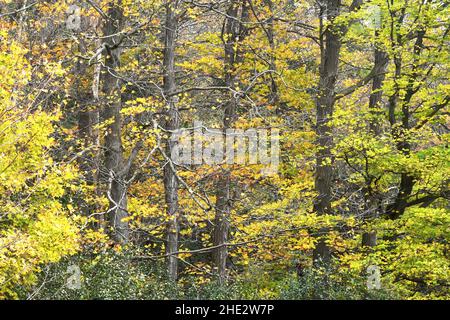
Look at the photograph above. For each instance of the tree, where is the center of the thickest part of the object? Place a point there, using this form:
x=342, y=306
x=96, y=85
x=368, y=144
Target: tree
x=114, y=162
x=37, y=228
x=90, y=117
x=172, y=124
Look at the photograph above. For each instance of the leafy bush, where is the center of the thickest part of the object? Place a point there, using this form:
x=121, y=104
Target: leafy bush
x=332, y=284
x=109, y=275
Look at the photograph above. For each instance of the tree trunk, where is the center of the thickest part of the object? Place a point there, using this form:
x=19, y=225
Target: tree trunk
x=324, y=110
x=274, y=97
x=222, y=224
x=369, y=239
x=233, y=32
x=172, y=123
x=88, y=120
x=381, y=61
x=116, y=191
x=407, y=181
x=380, y=64
x=321, y=254
x=330, y=50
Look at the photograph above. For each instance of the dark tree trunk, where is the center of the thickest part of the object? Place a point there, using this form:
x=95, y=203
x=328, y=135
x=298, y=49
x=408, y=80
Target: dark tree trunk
x=380, y=65
x=369, y=239
x=381, y=61
x=330, y=50
x=407, y=181
x=321, y=253
x=324, y=109
x=172, y=123
x=222, y=224
x=274, y=97
x=233, y=31
x=87, y=129
x=88, y=118
x=116, y=191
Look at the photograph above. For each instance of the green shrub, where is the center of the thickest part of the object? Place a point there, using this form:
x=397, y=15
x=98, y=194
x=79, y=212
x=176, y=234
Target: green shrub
x=331, y=284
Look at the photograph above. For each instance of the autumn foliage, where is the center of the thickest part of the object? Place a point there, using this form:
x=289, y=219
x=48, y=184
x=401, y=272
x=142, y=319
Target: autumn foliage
x=91, y=91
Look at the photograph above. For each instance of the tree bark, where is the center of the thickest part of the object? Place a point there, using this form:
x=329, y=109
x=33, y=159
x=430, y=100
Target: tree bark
x=88, y=120
x=172, y=123
x=369, y=239
x=233, y=31
x=381, y=61
x=324, y=109
x=380, y=65
x=407, y=181
x=330, y=50
x=116, y=191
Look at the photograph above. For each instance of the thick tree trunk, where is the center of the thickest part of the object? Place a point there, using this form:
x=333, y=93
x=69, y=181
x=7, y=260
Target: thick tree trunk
x=172, y=123
x=324, y=110
x=396, y=209
x=321, y=254
x=116, y=191
x=330, y=50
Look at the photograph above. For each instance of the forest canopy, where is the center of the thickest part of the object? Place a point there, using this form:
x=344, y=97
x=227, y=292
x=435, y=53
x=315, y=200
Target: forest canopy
x=238, y=149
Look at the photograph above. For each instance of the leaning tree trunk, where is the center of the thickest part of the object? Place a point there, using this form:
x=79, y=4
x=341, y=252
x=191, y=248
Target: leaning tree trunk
x=172, y=123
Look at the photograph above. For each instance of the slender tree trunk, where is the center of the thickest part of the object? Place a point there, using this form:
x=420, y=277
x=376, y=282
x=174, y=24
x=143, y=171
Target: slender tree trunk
x=233, y=31
x=274, y=97
x=86, y=129
x=116, y=191
x=88, y=117
x=88, y=120
x=407, y=181
x=381, y=62
x=172, y=123
x=222, y=225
